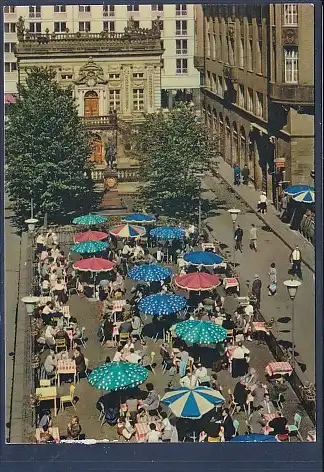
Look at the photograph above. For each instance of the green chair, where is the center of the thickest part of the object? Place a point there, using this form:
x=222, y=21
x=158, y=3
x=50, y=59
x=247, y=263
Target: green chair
x=236, y=425
x=294, y=428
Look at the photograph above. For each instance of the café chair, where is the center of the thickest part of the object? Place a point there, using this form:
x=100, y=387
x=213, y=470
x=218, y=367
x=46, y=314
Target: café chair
x=294, y=428
x=68, y=398
x=60, y=344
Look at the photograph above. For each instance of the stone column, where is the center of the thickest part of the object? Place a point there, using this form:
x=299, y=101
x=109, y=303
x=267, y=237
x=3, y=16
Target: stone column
x=170, y=99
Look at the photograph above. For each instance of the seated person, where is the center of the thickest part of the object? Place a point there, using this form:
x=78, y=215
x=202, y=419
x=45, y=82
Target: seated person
x=46, y=286
x=132, y=406
x=77, y=331
x=153, y=435
x=278, y=424
x=50, y=364
x=45, y=436
x=74, y=428
x=228, y=323
x=118, y=357
x=125, y=428
x=132, y=357
x=47, y=312
x=166, y=427
x=61, y=334
x=152, y=402
x=142, y=416
x=45, y=420
x=124, y=331
x=49, y=334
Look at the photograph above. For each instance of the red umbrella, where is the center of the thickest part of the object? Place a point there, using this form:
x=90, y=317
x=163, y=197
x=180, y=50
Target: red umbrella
x=197, y=281
x=90, y=236
x=94, y=264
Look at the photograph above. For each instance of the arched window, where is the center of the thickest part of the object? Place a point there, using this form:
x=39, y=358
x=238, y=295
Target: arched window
x=235, y=152
x=96, y=145
x=243, y=147
x=91, y=104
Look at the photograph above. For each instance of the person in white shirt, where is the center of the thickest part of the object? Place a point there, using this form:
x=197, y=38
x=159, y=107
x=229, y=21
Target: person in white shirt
x=263, y=202
x=159, y=255
x=240, y=351
x=166, y=427
x=46, y=286
x=50, y=364
x=153, y=435
x=253, y=237
x=295, y=260
x=118, y=357
x=201, y=374
x=132, y=357
x=240, y=360
x=126, y=250
x=189, y=381
x=138, y=252
x=49, y=334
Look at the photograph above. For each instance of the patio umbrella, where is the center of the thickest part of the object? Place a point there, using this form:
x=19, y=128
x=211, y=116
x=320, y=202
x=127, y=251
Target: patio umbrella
x=307, y=196
x=94, y=264
x=90, y=219
x=127, y=231
x=149, y=272
x=90, y=236
x=197, y=281
x=204, y=258
x=89, y=247
x=293, y=189
x=255, y=438
x=200, y=332
x=118, y=376
x=192, y=403
x=167, y=232
x=138, y=218
x=161, y=304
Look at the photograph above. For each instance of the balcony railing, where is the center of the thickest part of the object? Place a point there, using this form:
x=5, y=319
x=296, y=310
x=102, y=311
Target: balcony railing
x=300, y=94
x=109, y=121
x=97, y=175
x=123, y=175
x=35, y=14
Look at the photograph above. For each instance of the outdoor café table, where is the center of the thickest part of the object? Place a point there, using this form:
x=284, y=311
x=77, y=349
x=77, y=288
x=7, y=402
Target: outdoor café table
x=47, y=393
x=116, y=329
x=278, y=368
x=118, y=306
x=208, y=246
x=54, y=431
x=141, y=430
x=65, y=367
x=259, y=326
x=230, y=282
x=44, y=300
x=269, y=416
x=229, y=353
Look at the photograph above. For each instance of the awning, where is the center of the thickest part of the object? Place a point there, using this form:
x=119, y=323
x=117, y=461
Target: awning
x=9, y=98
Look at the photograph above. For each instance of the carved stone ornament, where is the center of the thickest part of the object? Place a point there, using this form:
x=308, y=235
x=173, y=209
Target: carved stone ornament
x=289, y=35
x=91, y=74
x=231, y=31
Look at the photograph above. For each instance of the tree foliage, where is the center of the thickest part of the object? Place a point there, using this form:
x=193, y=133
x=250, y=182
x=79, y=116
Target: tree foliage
x=173, y=147
x=47, y=150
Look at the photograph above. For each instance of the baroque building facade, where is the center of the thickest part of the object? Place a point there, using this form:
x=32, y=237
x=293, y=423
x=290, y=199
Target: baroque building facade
x=257, y=64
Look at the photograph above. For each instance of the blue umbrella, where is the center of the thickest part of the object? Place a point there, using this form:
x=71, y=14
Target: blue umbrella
x=307, y=196
x=255, y=438
x=204, y=258
x=162, y=304
x=293, y=189
x=90, y=219
x=149, y=273
x=89, y=247
x=167, y=232
x=138, y=218
x=192, y=403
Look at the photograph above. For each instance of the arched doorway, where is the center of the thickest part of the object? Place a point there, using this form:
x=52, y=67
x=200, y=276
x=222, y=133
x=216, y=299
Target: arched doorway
x=91, y=104
x=228, y=142
x=96, y=145
x=235, y=153
x=243, y=148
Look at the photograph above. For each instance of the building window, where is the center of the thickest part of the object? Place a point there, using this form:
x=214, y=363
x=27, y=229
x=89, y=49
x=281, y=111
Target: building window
x=213, y=83
x=35, y=11
x=249, y=100
x=161, y=25
x=207, y=80
x=109, y=26
x=249, y=55
x=10, y=66
x=181, y=10
x=108, y=10
x=181, y=27
x=136, y=24
x=114, y=100
x=132, y=7
x=230, y=43
x=59, y=8
x=241, y=53
x=220, y=89
x=114, y=76
x=59, y=27
x=35, y=27
x=10, y=27
x=208, y=45
x=84, y=8
x=9, y=9
x=9, y=47
x=291, y=65
x=84, y=26
x=138, y=75
x=290, y=14
x=181, y=46
x=258, y=57
x=157, y=7
x=213, y=47
x=259, y=104
x=221, y=53
x=66, y=76
x=182, y=66
x=241, y=96
x=138, y=99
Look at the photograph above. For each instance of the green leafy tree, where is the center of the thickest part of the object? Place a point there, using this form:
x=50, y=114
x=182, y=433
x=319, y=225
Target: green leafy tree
x=47, y=151
x=174, y=148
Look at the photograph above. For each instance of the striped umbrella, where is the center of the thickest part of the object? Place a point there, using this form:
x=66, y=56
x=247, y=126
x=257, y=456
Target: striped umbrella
x=139, y=218
x=192, y=403
x=118, y=376
x=90, y=219
x=167, y=232
x=307, y=196
x=149, y=273
x=293, y=189
x=127, y=231
x=161, y=304
x=197, y=281
x=89, y=247
x=200, y=332
x=90, y=236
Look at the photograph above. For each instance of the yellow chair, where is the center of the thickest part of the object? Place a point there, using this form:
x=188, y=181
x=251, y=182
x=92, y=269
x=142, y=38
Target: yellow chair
x=152, y=357
x=230, y=335
x=68, y=398
x=45, y=383
x=60, y=344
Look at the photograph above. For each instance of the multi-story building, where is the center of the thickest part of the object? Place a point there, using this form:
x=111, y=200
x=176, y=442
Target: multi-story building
x=179, y=77
x=258, y=93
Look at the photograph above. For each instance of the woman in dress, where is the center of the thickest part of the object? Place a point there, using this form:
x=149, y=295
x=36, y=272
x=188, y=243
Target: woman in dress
x=272, y=279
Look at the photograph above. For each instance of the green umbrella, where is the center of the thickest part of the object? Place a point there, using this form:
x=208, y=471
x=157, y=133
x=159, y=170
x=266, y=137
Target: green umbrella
x=89, y=247
x=118, y=376
x=200, y=332
x=88, y=220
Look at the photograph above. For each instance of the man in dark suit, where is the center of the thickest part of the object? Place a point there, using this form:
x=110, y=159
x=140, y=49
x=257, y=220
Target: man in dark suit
x=227, y=424
x=278, y=424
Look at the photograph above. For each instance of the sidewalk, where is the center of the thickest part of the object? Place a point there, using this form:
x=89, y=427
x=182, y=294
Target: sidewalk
x=281, y=230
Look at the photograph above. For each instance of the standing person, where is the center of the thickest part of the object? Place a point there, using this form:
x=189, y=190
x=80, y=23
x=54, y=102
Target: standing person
x=283, y=205
x=237, y=174
x=295, y=260
x=253, y=237
x=263, y=202
x=272, y=279
x=227, y=423
x=238, y=236
x=184, y=357
x=256, y=288
x=245, y=174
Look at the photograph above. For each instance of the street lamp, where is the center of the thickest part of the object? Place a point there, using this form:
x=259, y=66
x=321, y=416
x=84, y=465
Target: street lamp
x=30, y=303
x=234, y=212
x=31, y=223
x=292, y=287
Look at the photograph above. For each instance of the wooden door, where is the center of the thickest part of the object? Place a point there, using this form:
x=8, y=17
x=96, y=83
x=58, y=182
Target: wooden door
x=91, y=104
x=96, y=155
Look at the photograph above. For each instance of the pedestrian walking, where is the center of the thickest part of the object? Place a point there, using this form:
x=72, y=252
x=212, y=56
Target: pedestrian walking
x=283, y=206
x=295, y=260
x=238, y=236
x=237, y=174
x=253, y=237
x=262, y=205
x=256, y=289
x=245, y=174
x=272, y=287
